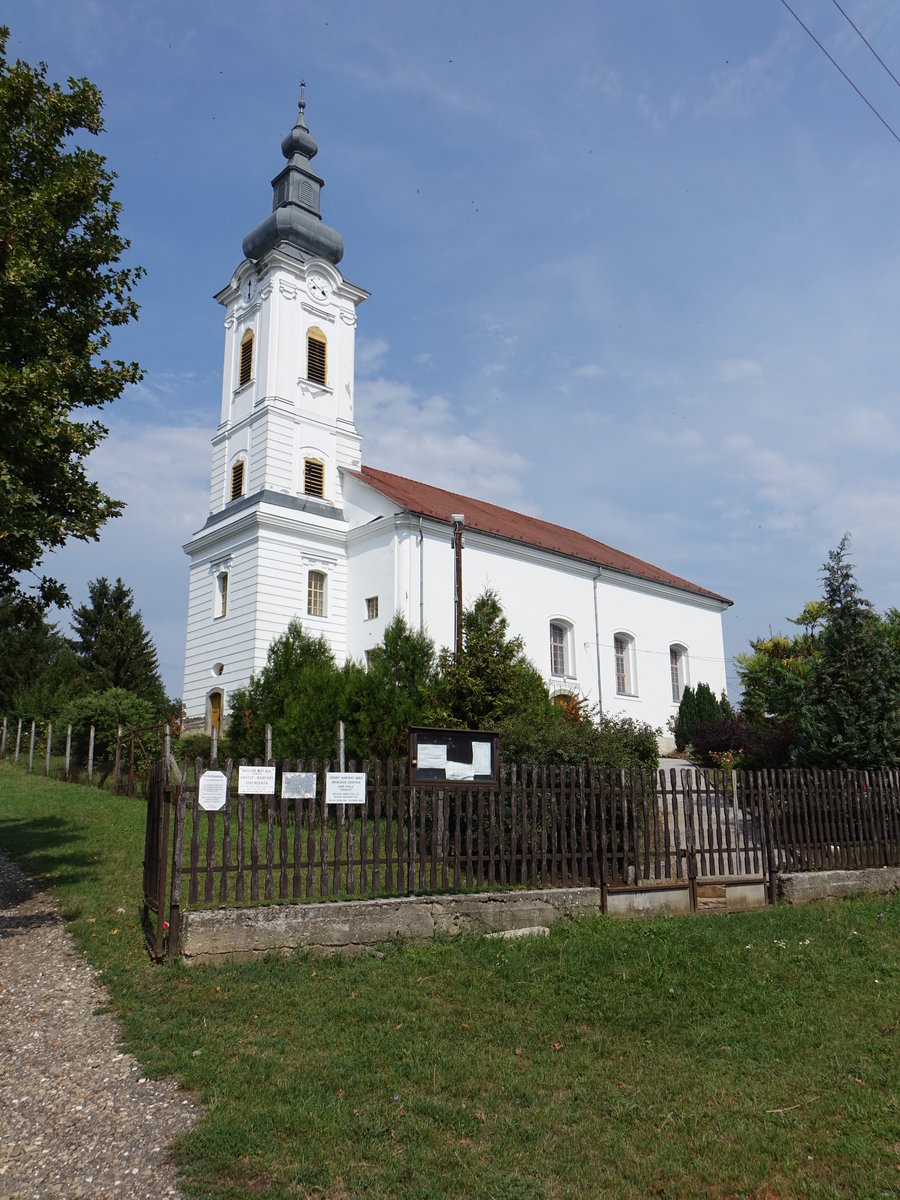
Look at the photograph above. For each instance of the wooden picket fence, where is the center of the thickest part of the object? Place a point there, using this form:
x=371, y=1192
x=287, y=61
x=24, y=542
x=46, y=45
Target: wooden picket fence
x=543, y=827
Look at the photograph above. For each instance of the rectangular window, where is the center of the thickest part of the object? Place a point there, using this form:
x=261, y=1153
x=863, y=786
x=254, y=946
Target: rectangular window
x=371, y=608
x=315, y=359
x=315, y=596
x=245, y=371
x=237, y=479
x=557, y=650
x=624, y=648
x=676, y=662
x=221, y=601
x=313, y=477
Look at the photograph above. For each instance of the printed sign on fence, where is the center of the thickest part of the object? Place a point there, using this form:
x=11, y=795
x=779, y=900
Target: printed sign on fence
x=299, y=785
x=256, y=781
x=345, y=787
x=212, y=789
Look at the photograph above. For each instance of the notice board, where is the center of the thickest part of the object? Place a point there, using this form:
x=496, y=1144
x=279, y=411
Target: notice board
x=453, y=757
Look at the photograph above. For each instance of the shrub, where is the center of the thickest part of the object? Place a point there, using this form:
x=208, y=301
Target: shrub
x=759, y=744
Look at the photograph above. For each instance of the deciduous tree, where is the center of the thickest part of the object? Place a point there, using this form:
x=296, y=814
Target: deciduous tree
x=63, y=289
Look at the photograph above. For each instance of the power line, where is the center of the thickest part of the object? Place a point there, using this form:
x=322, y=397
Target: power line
x=837, y=65
x=867, y=42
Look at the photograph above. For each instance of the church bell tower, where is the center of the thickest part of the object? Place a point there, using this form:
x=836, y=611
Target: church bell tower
x=274, y=544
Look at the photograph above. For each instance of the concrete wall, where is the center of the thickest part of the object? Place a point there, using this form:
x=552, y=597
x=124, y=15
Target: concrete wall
x=352, y=926
x=803, y=887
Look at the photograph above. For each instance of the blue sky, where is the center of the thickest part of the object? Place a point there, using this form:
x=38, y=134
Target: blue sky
x=634, y=267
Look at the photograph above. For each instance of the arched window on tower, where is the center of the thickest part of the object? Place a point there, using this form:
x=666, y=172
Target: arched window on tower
x=316, y=357
x=238, y=474
x=245, y=367
x=313, y=477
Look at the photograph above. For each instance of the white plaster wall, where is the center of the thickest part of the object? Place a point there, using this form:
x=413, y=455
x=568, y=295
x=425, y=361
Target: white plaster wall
x=230, y=639
x=535, y=588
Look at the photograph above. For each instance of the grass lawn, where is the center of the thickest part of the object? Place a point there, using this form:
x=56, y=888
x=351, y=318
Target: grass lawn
x=752, y=1055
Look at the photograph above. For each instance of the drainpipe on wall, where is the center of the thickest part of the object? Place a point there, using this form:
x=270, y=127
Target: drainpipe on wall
x=597, y=650
x=458, y=520
x=421, y=578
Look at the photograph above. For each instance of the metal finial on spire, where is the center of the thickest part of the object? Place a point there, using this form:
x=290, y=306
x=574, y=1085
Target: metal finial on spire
x=302, y=94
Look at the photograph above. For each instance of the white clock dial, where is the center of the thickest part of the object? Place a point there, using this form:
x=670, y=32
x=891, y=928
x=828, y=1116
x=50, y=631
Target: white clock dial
x=249, y=289
x=318, y=287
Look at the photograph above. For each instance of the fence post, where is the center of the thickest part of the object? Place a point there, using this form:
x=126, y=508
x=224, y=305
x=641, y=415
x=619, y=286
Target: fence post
x=118, y=766
x=214, y=749
x=68, y=748
x=769, y=826
x=690, y=834
x=18, y=741
x=3, y=739
x=49, y=741
x=411, y=855
x=31, y=748
x=131, y=765
x=268, y=743
x=341, y=745
x=90, y=763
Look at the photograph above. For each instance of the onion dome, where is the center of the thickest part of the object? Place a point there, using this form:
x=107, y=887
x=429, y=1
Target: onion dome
x=295, y=218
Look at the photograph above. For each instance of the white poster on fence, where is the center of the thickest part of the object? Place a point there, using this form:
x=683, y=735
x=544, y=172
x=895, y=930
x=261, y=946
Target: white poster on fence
x=212, y=790
x=345, y=787
x=256, y=781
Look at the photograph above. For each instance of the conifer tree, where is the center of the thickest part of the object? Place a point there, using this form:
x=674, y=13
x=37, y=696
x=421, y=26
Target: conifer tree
x=113, y=646
x=688, y=716
x=851, y=702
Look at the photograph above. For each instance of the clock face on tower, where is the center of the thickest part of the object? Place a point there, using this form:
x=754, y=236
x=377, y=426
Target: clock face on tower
x=248, y=291
x=318, y=287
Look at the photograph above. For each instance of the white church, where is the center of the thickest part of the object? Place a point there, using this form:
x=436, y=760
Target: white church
x=299, y=526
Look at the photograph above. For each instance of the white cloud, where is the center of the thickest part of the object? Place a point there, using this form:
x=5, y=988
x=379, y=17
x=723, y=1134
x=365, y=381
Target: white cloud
x=370, y=353
x=422, y=437
x=591, y=371
x=740, y=88
x=736, y=370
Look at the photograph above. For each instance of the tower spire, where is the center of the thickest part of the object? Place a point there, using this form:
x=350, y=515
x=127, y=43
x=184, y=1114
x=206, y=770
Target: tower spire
x=296, y=220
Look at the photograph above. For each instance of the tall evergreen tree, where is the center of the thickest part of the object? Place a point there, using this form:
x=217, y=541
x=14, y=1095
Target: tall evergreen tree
x=492, y=678
x=851, y=700
x=113, y=646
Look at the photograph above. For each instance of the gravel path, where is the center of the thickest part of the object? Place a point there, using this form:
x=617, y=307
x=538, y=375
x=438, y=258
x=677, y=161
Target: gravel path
x=77, y=1118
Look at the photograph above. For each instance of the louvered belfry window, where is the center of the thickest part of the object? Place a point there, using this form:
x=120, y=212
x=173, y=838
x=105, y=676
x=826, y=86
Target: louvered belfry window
x=313, y=477
x=237, y=479
x=316, y=358
x=245, y=371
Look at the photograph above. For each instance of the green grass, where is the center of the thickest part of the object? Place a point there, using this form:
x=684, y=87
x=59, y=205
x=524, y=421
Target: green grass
x=754, y=1055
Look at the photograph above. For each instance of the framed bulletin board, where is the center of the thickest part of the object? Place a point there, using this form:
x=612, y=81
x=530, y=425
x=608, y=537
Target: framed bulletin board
x=453, y=757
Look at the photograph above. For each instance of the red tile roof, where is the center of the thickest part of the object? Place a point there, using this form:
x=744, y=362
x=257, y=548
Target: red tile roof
x=427, y=501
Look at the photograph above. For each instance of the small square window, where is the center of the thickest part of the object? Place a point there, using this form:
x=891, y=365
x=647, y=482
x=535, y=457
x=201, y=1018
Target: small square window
x=371, y=608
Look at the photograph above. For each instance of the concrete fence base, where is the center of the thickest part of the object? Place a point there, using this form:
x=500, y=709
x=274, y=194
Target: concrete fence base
x=352, y=926
x=803, y=886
